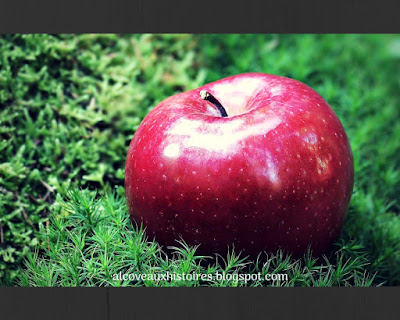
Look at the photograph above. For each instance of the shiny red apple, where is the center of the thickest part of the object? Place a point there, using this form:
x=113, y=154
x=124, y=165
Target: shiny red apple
x=276, y=172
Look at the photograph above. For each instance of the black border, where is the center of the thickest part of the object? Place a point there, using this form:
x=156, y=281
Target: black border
x=199, y=303
x=205, y=16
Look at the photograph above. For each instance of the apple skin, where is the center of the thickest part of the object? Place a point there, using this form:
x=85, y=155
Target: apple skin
x=276, y=173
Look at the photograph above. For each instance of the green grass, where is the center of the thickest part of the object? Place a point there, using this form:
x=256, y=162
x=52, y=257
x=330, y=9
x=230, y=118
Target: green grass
x=69, y=105
x=89, y=240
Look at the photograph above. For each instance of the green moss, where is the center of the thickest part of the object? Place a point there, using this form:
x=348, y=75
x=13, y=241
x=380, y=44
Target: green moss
x=68, y=108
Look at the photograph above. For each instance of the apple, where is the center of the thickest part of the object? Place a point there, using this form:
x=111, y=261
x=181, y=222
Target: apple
x=254, y=161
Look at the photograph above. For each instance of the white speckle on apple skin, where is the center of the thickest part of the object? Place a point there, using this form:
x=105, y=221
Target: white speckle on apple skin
x=310, y=138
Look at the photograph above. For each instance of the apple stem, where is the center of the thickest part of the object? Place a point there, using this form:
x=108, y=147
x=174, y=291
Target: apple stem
x=205, y=95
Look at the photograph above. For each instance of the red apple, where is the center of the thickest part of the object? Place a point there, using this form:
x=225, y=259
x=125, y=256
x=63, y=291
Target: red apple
x=277, y=172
